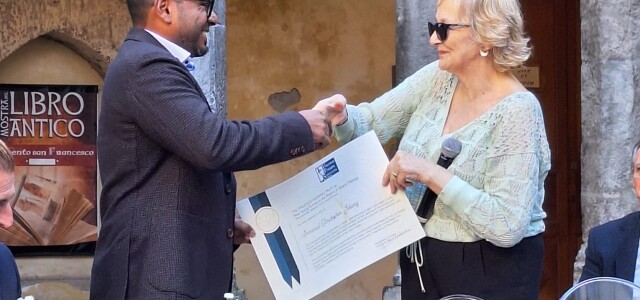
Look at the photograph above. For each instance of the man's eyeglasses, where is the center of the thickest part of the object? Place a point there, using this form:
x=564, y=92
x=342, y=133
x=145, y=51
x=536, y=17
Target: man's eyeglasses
x=442, y=29
x=208, y=6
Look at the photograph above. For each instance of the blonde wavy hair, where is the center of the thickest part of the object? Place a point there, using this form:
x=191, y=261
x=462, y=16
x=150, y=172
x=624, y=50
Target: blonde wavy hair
x=498, y=24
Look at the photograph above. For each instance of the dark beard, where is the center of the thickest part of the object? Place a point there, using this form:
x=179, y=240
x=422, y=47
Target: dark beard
x=192, y=47
x=199, y=52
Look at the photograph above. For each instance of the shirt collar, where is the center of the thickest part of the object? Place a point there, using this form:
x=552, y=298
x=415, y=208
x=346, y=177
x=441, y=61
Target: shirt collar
x=178, y=52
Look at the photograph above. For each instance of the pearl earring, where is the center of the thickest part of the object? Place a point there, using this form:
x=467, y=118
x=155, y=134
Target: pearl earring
x=484, y=53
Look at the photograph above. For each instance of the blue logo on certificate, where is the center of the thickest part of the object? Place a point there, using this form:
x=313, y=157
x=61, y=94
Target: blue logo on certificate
x=327, y=169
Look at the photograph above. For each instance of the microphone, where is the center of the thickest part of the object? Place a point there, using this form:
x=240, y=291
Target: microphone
x=450, y=149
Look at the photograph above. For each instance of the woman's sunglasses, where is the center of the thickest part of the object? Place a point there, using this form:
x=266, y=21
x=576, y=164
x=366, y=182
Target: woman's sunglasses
x=442, y=29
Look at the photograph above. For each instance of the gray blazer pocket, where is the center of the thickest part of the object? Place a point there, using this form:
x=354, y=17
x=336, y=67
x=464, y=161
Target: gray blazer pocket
x=176, y=249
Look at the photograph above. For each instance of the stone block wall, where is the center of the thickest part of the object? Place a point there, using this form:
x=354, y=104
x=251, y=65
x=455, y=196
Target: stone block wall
x=93, y=29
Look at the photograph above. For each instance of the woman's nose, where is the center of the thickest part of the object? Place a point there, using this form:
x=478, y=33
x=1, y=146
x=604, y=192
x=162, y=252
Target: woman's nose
x=433, y=39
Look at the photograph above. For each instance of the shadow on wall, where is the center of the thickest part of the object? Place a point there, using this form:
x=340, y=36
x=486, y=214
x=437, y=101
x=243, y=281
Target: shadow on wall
x=281, y=101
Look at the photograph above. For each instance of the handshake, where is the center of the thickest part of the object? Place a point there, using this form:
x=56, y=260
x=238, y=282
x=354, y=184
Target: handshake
x=325, y=115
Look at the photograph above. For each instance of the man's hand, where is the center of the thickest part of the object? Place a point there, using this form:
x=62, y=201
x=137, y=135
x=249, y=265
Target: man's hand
x=334, y=109
x=242, y=231
x=320, y=127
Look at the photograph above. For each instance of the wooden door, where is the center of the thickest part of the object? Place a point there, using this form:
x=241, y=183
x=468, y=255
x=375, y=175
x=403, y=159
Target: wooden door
x=554, y=28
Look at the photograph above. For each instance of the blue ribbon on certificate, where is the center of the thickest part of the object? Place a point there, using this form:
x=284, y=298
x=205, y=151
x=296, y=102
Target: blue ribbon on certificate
x=278, y=244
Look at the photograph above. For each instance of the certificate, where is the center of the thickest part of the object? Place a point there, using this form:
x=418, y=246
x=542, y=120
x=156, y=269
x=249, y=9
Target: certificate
x=329, y=221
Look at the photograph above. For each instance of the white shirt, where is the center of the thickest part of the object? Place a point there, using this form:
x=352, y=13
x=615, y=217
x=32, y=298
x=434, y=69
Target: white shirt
x=181, y=54
x=636, y=275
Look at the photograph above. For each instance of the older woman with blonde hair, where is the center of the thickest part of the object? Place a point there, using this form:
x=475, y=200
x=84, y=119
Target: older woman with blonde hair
x=484, y=237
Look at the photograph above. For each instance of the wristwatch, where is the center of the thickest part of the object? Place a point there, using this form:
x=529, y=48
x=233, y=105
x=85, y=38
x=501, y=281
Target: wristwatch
x=267, y=221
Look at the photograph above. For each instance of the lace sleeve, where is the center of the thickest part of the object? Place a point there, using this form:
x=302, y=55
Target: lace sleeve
x=389, y=114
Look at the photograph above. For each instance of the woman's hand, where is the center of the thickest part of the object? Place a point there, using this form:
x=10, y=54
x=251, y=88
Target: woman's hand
x=334, y=109
x=405, y=169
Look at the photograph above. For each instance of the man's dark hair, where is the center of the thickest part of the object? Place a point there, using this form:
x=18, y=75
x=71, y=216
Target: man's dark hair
x=138, y=10
x=6, y=159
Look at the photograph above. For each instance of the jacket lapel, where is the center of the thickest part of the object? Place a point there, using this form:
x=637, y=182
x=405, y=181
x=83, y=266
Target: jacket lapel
x=139, y=34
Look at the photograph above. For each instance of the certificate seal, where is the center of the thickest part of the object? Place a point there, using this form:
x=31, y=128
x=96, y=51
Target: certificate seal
x=267, y=219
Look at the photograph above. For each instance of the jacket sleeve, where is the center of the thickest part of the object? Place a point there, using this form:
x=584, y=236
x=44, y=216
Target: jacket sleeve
x=593, y=259
x=389, y=114
x=163, y=100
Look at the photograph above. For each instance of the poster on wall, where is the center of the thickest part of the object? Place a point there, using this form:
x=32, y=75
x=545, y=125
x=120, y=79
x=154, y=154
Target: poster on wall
x=51, y=131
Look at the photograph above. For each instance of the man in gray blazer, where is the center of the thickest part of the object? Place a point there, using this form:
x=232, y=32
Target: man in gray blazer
x=9, y=275
x=166, y=162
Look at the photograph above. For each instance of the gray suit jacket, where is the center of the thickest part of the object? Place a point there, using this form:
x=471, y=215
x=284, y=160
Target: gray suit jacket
x=168, y=196
x=612, y=249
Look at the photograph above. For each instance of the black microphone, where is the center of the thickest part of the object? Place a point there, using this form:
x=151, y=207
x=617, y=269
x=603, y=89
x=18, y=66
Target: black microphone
x=450, y=149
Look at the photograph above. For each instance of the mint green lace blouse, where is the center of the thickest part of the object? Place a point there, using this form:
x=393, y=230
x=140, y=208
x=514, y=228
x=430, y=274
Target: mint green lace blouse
x=498, y=187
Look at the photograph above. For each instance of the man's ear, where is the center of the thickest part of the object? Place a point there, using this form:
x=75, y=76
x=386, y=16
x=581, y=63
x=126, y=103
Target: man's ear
x=163, y=9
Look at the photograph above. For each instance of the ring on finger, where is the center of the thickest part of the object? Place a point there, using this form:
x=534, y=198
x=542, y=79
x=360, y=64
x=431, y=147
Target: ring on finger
x=394, y=174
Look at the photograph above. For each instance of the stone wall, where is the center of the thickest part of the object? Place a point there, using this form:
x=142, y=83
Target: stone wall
x=93, y=29
x=412, y=36
x=610, y=110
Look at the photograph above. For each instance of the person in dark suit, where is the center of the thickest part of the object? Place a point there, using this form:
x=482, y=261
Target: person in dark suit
x=9, y=275
x=167, y=205
x=612, y=248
